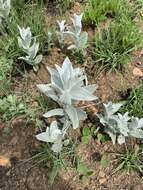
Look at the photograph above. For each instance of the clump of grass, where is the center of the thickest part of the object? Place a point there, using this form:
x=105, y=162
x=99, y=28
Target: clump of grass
x=53, y=161
x=113, y=45
x=97, y=11
x=130, y=160
x=134, y=104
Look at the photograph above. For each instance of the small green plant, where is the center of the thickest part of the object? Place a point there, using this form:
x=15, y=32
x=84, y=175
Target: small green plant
x=29, y=45
x=134, y=103
x=97, y=11
x=113, y=45
x=5, y=67
x=84, y=171
x=67, y=87
x=10, y=107
x=86, y=135
x=129, y=160
x=105, y=161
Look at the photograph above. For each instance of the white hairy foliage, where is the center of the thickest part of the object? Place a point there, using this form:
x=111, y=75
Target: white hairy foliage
x=52, y=135
x=119, y=126
x=68, y=86
x=61, y=32
x=29, y=45
x=78, y=38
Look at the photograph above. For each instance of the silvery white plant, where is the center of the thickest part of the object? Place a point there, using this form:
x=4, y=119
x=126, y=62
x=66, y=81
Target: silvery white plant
x=66, y=88
x=119, y=126
x=61, y=32
x=5, y=6
x=25, y=38
x=136, y=127
x=79, y=38
x=29, y=45
x=53, y=135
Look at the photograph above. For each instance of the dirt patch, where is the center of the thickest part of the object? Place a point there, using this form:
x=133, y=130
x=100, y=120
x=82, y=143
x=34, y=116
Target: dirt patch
x=19, y=146
x=113, y=86
x=103, y=177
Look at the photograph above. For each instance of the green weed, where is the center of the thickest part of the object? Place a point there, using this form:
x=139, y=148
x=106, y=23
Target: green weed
x=130, y=160
x=86, y=135
x=9, y=108
x=84, y=171
x=97, y=11
x=5, y=68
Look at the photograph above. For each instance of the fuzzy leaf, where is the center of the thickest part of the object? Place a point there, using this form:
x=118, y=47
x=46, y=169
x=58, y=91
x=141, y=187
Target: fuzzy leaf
x=81, y=93
x=121, y=139
x=61, y=25
x=72, y=113
x=52, y=134
x=137, y=133
x=82, y=41
x=111, y=108
x=54, y=112
x=48, y=91
x=112, y=136
x=57, y=147
x=77, y=20
x=122, y=123
x=38, y=59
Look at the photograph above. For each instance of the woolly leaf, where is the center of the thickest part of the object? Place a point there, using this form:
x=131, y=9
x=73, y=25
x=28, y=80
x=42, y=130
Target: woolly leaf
x=54, y=112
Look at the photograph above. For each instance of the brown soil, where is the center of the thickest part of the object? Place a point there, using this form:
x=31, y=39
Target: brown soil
x=21, y=175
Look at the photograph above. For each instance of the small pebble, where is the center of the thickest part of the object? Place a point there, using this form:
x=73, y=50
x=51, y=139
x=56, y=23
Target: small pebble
x=102, y=180
x=101, y=174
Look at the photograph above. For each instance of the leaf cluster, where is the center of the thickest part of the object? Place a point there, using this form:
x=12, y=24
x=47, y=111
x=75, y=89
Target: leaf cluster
x=119, y=126
x=67, y=87
x=29, y=46
x=78, y=39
